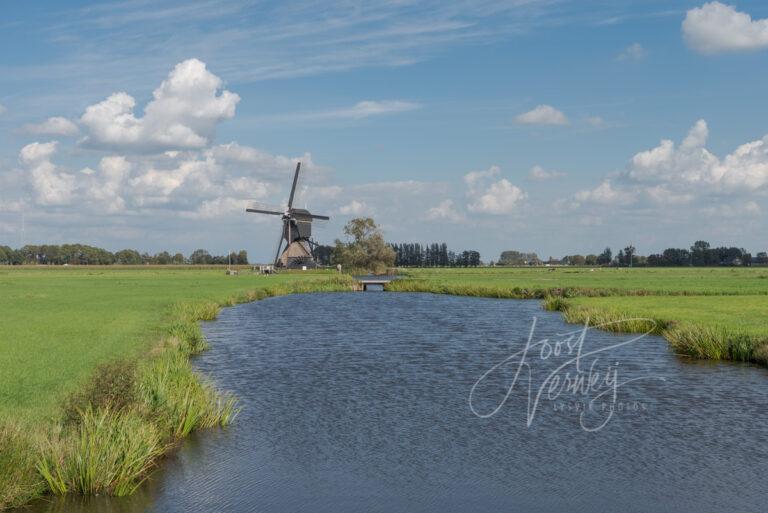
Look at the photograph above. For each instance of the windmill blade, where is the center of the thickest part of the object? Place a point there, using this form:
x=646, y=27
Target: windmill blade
x=293, y=187
x=259, y=211
x=321, y=218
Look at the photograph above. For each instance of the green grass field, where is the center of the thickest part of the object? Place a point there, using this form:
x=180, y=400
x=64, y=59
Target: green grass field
x=681, y=280
x=58, y=324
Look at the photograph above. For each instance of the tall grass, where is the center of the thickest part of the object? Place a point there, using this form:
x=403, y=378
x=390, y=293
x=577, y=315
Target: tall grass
x=19, y=480
x=716, y=343
x=702, y=342
x=179, y=400
x=109, y=452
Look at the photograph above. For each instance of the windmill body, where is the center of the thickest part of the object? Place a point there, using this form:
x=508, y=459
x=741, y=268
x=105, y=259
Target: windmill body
x=296, y=233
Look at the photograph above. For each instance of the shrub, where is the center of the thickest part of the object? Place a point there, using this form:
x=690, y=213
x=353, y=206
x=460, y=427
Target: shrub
x=113, y=385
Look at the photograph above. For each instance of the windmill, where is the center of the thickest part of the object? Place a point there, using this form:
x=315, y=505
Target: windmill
x=296, y=232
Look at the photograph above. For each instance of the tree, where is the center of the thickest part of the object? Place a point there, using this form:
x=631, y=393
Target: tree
x=590, y=259
x=367, y=249
x=200, y=256
x=760, y=258
x=162, y=258
x=178, y=259
x=605, y=257
x=576, y=259
x=629, y=253
x=676, y=257
x=700, y=254
x=512, y=257
x=128, y=257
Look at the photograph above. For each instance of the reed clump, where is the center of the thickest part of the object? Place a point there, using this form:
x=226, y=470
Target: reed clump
x=109, y=452
x=178, y=400
x=716, y=343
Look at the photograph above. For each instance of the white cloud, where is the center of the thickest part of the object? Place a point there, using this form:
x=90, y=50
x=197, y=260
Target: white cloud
x=692, y=165
x=445, y=210
x=670, y=174
x=192, y=184
x=633, y=52
x=51, y=185
x=262, y=163
x=106, y=187
x=473, y=178
x=538, y=173
x=542, y=115
x=715, y=28
x=604, y=194
x=183, y=113
x=738, y=211
x=3, y=110
x=492, y=197
x=53, y=126
x=360, y=110
x=354, y=208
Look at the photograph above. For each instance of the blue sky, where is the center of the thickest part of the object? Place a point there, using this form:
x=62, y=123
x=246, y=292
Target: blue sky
x=529, y=125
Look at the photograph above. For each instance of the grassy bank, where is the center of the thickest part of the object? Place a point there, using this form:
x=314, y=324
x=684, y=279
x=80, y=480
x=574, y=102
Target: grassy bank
x=96, y=380
x=710, y=313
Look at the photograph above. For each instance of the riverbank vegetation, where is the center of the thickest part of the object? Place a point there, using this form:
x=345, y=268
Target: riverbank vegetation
x=95, y=378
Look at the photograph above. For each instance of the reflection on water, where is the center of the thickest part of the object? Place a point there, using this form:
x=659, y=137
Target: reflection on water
x=359, y=402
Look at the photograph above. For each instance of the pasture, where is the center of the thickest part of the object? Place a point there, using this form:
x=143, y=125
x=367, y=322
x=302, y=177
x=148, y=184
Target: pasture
x=58, y=324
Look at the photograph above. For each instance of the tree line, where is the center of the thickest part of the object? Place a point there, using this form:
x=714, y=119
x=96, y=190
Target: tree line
x=82, y=254
x=700, y=254
x=433, y=255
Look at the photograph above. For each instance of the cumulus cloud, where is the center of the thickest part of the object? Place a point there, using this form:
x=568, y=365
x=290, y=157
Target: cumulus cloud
x=715, y=28
x=633, y=52
x=489, y=196
x=538, y=173
x=445, y=211
x=671, y=174
x=53, y=126
x=193, y=184
x=542, y=115
x=183, y=113
x=51, y=185
x=106, y=185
